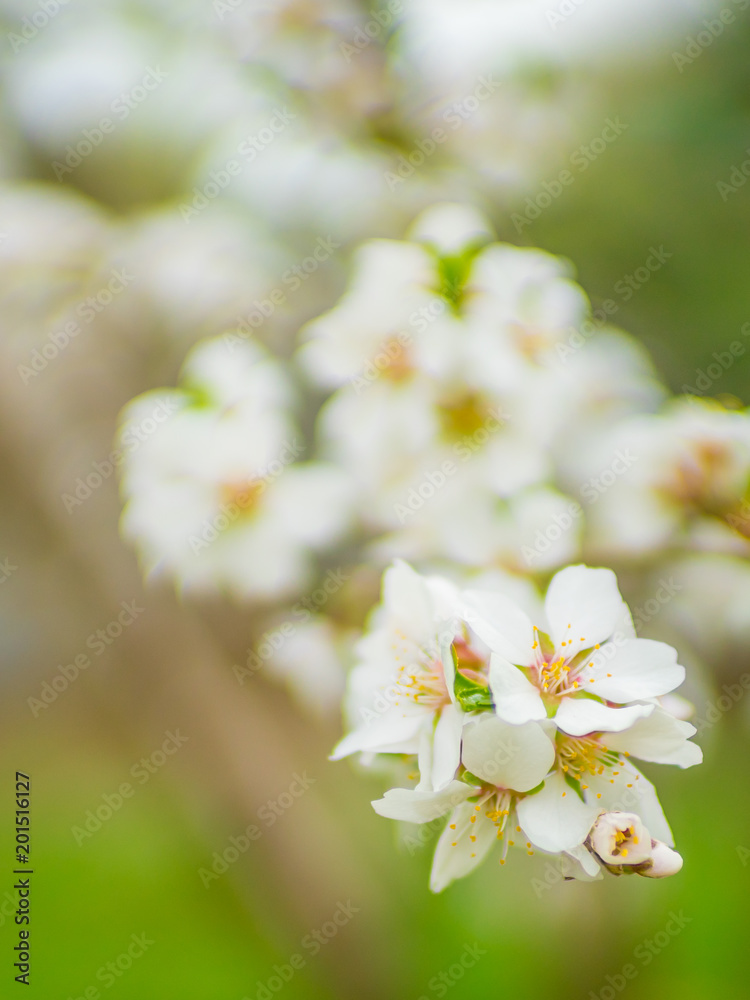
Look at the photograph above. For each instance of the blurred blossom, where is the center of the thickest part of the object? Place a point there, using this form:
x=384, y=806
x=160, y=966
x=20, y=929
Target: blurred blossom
x=688, y=487
x=217, y=497
x=452, y=407
x=52, y=241
x=311, y=662
x=196, y=280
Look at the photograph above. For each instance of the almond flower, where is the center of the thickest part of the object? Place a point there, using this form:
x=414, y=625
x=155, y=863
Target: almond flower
x=502, y=763
x=584, y=667
x=401, y=691
x=507, y=737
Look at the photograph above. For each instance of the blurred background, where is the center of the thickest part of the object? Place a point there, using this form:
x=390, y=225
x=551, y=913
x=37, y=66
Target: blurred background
x=118, y=125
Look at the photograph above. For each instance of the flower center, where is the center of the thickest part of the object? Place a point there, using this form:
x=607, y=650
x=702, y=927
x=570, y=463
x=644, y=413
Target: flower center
x=463, y=416
x=420, y=676
x=496, y=805
x=556, y=672
x=243, y=495
x=578, y=756
x=399, y=366
x=623, y=840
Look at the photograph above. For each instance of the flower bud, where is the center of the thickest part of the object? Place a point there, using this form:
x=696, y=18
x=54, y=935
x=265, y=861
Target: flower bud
x=664, y=861
x=620, y=838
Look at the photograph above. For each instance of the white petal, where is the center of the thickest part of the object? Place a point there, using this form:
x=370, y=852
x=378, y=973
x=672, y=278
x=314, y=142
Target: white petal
x=588, y=601
x=515, y=697
x=579, y=716
x=500, y=623
x=639, y=669
x=314, y=502
x=629, y=791
x=555, y=819
x=393, y=726
x=416, y=806
x=446, y=746
x=515, y=757
x=452, y=862
x=659, y=738
x=407, y=600
x=665, y=862
x=580, y=864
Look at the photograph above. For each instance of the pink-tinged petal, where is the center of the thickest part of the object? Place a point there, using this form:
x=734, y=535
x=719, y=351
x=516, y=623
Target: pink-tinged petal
x=516, y=699
x=659, y=738
x=416, y=806
x=461, y=849
x=580, y=716
x=515, y=757
x=583, y=607
x=632, y=670
x=499, y=622
x=554, y=819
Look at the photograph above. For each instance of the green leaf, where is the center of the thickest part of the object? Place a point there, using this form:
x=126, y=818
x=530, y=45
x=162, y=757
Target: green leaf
x=575, y=785
x=471, y=696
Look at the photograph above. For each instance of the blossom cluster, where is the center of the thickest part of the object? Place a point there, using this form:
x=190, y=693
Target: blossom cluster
x=465, y=425
x=523, y=730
